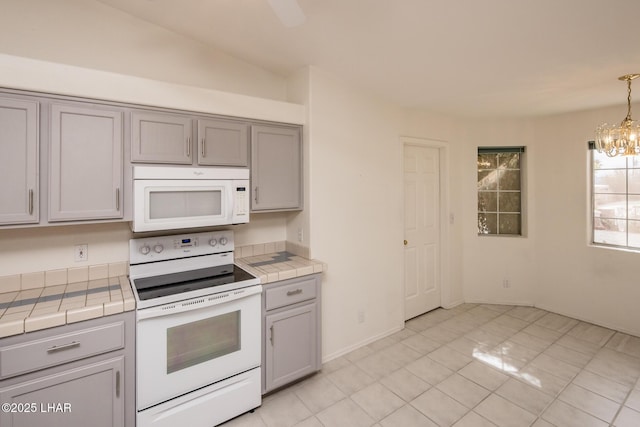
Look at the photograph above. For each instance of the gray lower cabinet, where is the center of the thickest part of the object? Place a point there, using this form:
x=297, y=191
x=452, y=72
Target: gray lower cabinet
x=85, y=163
x=70, y=376
x=161, y=138
x=19, y=161
x=291, y=335
x=69, y=398
x=276, y=168
x=223, y=143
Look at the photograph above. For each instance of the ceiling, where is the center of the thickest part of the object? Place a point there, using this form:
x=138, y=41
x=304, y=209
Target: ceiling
x=463, y=57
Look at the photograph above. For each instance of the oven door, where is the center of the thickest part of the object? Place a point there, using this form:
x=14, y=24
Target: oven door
x=172, y=204
x=186, y=345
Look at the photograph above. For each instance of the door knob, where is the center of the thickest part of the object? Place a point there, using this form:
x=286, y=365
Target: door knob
x=405, y=243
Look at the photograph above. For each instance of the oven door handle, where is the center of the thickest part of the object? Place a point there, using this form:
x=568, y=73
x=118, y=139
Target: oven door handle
x=197, y=303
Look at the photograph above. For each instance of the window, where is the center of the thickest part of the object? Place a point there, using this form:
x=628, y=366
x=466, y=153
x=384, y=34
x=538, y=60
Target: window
x=615, y=200
x=500, y=190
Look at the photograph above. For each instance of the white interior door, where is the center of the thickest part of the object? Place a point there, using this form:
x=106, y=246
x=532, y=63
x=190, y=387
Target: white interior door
x=421, y=229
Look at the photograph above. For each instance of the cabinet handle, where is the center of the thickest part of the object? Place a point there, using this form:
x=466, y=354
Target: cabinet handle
x=30, y=201
x=271, y=337
x=255, y=192
x=188, y=147
x=118, y=198
x=61, y=347
x=202, y=149
x=117, y=384
x=296, y=292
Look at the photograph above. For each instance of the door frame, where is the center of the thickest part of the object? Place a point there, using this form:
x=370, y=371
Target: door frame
x=446, y=217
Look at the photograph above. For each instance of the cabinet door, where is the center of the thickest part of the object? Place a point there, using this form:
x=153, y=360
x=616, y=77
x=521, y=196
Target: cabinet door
x=85, y=163
x=222, y=143
x=291, y=345
x=160, y=138
x=18, y=161
x=87, y=396
x=276, y=179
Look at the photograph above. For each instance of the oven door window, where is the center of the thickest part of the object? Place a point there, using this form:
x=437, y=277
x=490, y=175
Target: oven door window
x=185, y=203
x=203, y=340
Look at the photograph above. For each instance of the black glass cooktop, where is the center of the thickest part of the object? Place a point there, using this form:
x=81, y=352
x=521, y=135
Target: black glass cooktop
x=176, y=283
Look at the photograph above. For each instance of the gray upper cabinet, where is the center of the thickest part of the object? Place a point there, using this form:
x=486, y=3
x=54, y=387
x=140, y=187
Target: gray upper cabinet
x=85, y=163
x=223, y=143
x=161, y=138
x=276, y=168
x=19, y=161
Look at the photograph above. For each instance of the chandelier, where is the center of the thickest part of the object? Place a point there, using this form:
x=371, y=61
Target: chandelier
x=622, y=139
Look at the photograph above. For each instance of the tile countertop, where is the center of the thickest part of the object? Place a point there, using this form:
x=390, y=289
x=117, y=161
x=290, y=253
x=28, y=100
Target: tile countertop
x=281, y=265
x=31, y=308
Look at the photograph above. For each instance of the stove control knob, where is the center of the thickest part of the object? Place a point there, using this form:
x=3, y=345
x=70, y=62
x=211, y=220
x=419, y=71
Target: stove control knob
x=223, y=241
x=144, y=250
x=213, y=242
x=158, y=248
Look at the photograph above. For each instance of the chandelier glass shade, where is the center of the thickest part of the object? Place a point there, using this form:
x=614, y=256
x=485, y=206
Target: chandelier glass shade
x=623, y=139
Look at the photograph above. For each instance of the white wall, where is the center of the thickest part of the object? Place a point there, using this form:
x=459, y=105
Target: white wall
x=479, y=264
x=355, y=212
x=489, y=260
x=299, y=91
x=27, y=250
x=553, y=267
x=87, y=33
x=573, y=278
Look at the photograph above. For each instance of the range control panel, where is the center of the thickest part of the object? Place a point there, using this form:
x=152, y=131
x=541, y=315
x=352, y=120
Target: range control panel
x=161, y=248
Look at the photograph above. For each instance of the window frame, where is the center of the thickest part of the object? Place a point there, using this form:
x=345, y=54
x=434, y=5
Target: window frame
x=522, y=187
x=593, y=220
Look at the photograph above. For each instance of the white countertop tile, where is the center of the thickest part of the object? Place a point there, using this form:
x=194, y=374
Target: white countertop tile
x=54, y=304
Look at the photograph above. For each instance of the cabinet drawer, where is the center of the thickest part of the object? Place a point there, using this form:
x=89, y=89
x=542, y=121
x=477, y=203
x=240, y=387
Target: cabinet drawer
x=58, y=349
x=290, y=294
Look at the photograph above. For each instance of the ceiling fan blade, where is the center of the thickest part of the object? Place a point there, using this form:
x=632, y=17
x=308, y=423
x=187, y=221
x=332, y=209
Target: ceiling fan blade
x=288, y=11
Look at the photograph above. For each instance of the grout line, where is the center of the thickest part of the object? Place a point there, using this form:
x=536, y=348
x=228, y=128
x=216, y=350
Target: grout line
x=417, y=327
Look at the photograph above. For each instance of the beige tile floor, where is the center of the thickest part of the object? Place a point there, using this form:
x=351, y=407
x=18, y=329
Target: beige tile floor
x=472, y=366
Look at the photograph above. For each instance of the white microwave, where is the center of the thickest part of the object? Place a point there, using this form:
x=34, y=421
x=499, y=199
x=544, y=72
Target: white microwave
x=171, y=198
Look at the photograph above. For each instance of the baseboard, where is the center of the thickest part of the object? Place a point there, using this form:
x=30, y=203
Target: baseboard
x=453, y=304
x=515, y=303
x=587, y=320
x=357, y=345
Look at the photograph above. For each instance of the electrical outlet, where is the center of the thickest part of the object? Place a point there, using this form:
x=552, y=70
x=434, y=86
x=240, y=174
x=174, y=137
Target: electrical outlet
x=300, y=235
x=81, y=252
x=506, y=284
x=360, y=316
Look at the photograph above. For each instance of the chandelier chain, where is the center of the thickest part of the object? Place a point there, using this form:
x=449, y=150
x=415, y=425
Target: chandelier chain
x=628, y=100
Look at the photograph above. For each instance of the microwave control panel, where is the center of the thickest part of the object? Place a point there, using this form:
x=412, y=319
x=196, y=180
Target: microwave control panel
x=241, y=207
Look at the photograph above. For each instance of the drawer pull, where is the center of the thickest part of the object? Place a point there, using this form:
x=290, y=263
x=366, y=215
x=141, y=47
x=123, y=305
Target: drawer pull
x=61, y=347
x=271, y=337
x=296, y=292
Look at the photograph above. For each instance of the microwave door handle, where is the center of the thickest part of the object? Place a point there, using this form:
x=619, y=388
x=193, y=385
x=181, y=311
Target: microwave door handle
x=230, y=201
